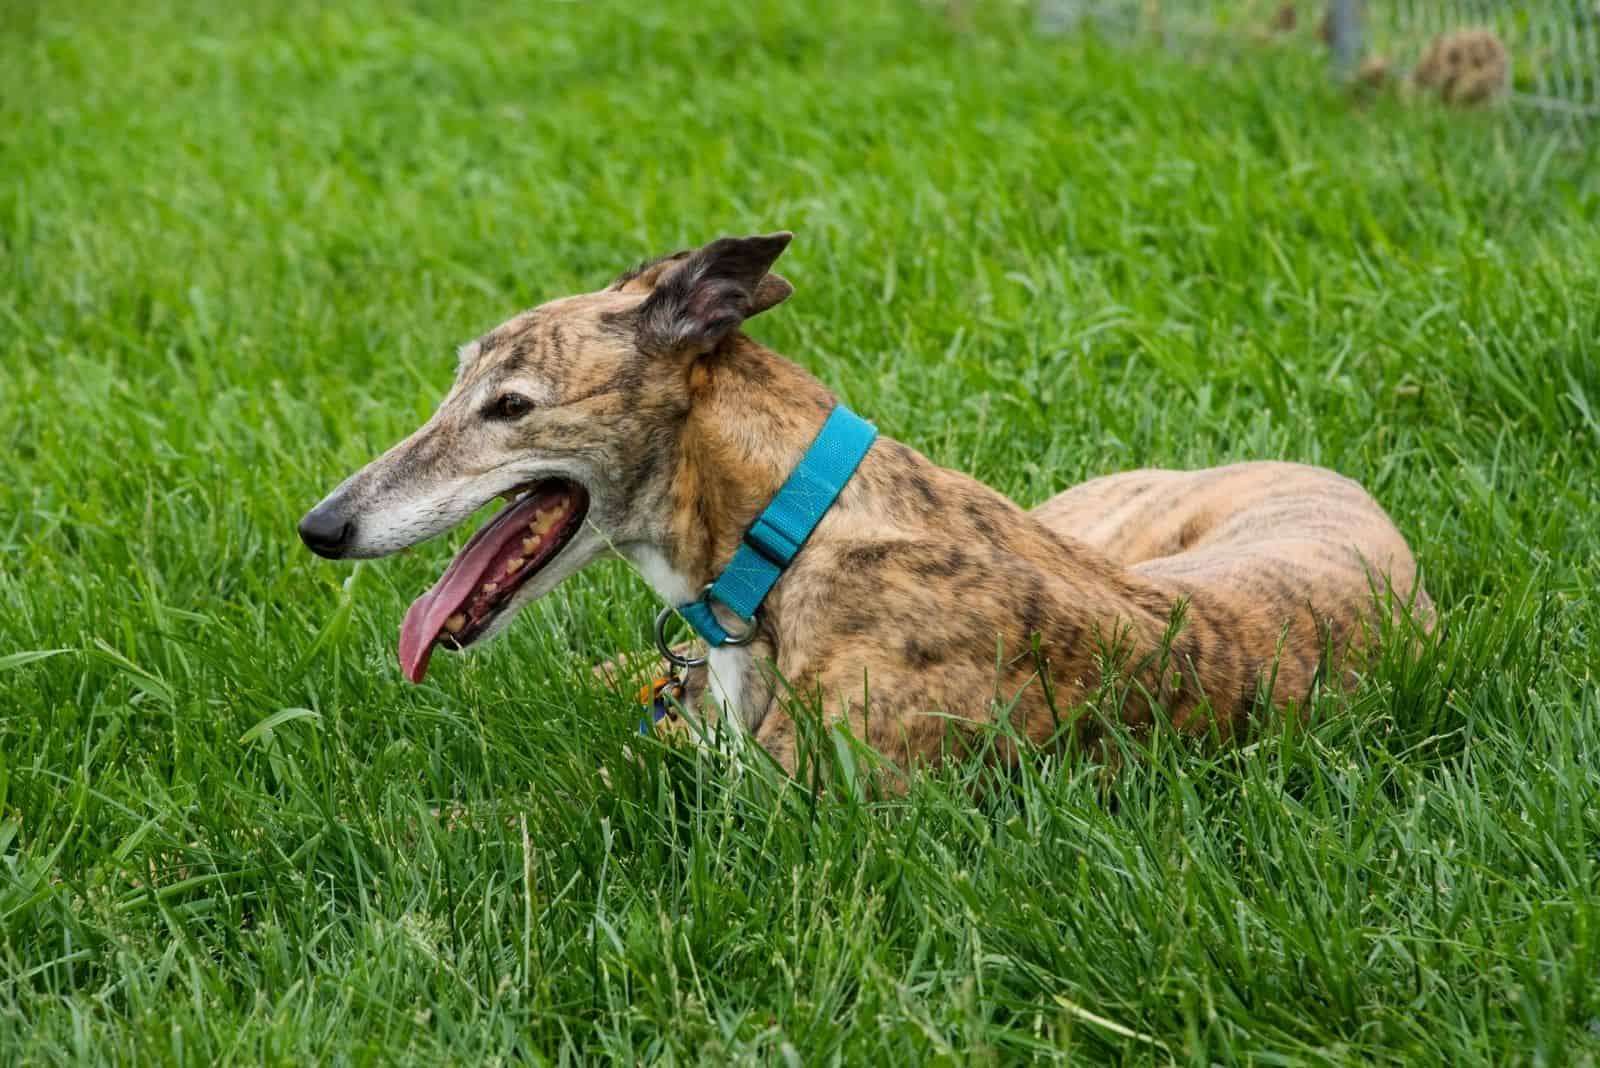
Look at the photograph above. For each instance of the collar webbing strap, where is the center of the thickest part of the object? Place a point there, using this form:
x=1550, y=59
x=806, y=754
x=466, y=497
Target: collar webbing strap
x=779, y=531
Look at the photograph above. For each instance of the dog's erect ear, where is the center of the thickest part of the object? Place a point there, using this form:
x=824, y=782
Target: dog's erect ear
x=699, y=299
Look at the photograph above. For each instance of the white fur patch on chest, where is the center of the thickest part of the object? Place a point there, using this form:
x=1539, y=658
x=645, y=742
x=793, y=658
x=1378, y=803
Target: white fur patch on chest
x=726, y=666
x=671, y=585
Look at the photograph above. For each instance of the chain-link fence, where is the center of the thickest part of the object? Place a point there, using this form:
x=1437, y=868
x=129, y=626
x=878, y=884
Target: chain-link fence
x=1540, y=57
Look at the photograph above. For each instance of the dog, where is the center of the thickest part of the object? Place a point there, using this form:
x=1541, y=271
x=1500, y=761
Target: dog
x=642, y=421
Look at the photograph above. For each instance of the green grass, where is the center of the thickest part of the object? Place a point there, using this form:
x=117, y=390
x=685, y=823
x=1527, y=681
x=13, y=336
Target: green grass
x=238, y=243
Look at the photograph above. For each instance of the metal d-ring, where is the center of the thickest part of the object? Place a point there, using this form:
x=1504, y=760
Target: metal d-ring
x=749, y=634
x=665, y=650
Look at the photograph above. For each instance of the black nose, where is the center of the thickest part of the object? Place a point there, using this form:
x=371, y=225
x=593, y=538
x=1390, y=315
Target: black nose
x=326, y=532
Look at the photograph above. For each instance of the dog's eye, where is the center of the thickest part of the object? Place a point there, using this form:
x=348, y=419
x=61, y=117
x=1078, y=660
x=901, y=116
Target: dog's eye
x=510, y=406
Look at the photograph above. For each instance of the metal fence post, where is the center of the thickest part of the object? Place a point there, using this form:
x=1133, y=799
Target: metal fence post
x=1345, y=35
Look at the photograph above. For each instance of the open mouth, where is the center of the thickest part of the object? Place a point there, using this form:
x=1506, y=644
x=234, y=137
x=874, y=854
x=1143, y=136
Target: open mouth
x=510, y=549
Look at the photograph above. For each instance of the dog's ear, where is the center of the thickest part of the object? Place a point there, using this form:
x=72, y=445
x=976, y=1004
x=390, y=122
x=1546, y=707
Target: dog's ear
x=771, y=291
x=699, y=299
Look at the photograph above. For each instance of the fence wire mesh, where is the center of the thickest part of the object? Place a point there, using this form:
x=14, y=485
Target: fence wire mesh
x=1541, y=57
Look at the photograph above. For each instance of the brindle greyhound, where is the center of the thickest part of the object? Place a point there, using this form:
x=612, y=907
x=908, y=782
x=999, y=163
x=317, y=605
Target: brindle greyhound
x=640, y=420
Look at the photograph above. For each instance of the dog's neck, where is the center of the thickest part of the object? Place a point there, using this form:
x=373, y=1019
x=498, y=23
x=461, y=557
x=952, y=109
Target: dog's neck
x=753, y=414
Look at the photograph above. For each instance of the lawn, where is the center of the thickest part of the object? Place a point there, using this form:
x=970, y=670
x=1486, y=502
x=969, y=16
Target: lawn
x=238, y=245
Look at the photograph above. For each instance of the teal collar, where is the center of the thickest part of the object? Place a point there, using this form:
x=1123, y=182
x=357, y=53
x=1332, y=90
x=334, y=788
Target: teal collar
x=778, y=533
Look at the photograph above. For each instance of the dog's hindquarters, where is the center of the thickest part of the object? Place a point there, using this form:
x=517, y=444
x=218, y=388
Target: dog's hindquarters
x=1264, y=540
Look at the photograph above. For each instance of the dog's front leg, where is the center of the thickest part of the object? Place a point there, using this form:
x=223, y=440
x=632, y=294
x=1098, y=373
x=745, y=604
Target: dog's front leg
x=640, y=673
x=885, y=735
x=636, y=669
x=904, y=736
x=727, y=695
x=776, y=735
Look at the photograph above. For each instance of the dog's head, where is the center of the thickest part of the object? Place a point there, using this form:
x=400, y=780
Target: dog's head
x=571, y=411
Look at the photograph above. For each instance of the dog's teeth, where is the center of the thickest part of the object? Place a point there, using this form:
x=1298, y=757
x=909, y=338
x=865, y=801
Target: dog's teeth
x=529, y=545
x=544, y=520
x=490, y=587
x=514, y=564
x=455, y=623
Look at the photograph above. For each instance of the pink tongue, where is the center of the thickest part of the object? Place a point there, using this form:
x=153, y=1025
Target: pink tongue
x=425, y=618
x=416, y=636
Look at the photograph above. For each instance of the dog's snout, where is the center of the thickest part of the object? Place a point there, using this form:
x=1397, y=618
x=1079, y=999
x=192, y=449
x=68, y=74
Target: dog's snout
x=327, y=531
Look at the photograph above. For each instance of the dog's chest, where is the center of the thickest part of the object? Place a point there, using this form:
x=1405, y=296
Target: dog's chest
x=725, y=671
x=728, y=667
